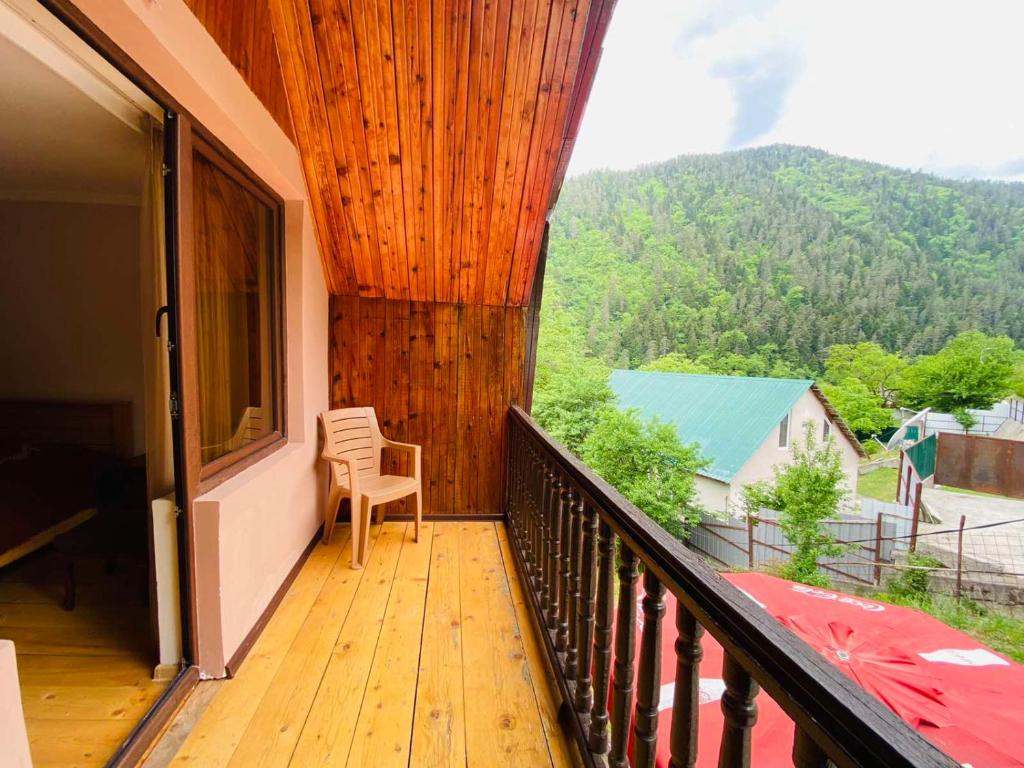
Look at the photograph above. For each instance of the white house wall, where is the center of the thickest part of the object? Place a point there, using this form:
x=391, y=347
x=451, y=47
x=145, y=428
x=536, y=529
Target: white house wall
x=769, y=454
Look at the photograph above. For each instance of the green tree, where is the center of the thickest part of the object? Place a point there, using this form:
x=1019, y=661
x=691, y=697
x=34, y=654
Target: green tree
x=570, y=388
x=861, y=408
x=806, y=492
x=1017, y=382
x=972, y=371
x=675, y=362
x=798, y=249
x=868, y=363
x=648, y=464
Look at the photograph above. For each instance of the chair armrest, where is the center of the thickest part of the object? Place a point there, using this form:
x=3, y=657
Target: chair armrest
x=353, y=470
x=409, y=447
x=330, y=457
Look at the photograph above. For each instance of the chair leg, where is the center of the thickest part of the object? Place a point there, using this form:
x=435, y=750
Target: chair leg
x=357, y=527
x=381, y=511
x=419, y=514
x=331, y=513
x=367, y=517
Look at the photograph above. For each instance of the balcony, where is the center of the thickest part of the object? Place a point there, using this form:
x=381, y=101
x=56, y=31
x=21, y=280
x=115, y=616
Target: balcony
x=425, y=657
x=516, y=643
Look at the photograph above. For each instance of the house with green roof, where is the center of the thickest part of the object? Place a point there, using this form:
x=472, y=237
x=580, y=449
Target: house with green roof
x=744, y=425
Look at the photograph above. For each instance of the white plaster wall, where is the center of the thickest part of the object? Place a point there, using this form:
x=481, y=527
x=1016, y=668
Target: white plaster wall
x=760, y=465
x=251, y=530
x=712, y=494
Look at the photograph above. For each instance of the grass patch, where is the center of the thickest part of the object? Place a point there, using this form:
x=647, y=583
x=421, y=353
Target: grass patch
x=1003, y=633
x=910, y=590
x=880, y=484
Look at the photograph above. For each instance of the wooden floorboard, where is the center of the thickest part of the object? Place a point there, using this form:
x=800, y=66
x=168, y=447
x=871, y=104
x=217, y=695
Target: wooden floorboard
x=439, y=728
x=213, y=740
x=423, y=658
x=330, y=725
x=86, y=674
x=562, y=752
x=505, y=728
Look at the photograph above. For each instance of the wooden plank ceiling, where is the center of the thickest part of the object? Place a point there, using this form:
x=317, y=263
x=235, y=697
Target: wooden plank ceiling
x=244, y=33
x=434, y=134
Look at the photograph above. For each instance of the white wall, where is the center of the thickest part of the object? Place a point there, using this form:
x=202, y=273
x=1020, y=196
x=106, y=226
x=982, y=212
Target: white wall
x=713, y=495
x=769, y=454
x=69, y=304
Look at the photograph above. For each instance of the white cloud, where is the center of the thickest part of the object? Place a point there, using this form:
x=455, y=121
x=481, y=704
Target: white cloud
x=931, y=85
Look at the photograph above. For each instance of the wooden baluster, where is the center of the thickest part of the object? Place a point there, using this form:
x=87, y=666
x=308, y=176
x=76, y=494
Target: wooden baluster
x=554, y=559
x=586, y=602
x=520, y=489
x=545, y=540
x=740, y=712
x=686, y=702
x=806, y=752
x=625, y=647
x=598, y=736
x=648, y=686
x=512, y=502
x=567, y=510
x=572, y=612
x=531, y=517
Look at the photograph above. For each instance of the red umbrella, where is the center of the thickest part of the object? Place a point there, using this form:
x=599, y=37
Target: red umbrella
x=964, y=697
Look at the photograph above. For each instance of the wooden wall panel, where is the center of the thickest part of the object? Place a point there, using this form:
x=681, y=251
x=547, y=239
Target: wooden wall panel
x=244, y=33
x=440, y=375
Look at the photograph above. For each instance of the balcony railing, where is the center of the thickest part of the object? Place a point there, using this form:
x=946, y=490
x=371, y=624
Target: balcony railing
x=571, y=532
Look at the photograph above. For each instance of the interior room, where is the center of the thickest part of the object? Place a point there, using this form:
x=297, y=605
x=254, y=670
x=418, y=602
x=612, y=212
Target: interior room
x=86, y=471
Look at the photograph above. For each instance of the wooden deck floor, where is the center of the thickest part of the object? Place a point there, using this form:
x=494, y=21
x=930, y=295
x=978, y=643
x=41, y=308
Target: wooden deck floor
x=425, y=657
x=85, y=675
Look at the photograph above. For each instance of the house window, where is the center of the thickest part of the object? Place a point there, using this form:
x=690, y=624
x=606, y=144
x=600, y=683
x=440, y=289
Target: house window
x=784, y=432
x=237, y=256
x=826, y=430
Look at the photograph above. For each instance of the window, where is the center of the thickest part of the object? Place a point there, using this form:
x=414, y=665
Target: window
x=826, y=430
x=238, y=327
x=784, y=432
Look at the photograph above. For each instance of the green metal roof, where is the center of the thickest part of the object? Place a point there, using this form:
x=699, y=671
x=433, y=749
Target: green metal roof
x=729, y=416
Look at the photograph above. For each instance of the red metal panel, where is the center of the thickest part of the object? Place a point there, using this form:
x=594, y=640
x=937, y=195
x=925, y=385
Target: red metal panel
x=986, y=464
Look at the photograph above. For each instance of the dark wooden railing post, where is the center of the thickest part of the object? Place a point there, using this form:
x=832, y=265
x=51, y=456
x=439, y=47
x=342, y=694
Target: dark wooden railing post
x=564, y=522
x=566, y=509
x=625, y=645
x=532, y=517
x=806, y=752
x=686, y=700
x=740, y=712
x=587, y=601
x=572, y=656
x=554, y=560
x=545, y=543
x=648, y=686
x=597, y=738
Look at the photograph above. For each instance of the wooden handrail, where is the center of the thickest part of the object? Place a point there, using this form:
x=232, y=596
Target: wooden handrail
x=564, y=522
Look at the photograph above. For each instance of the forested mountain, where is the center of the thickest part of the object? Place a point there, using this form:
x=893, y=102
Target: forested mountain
x=763, y=258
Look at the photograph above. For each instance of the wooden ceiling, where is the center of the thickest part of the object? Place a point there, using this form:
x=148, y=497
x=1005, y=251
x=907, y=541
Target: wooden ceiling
x=434, y=135
x=243, y=31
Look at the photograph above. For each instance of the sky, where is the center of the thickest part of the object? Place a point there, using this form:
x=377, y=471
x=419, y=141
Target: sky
x=936, y=86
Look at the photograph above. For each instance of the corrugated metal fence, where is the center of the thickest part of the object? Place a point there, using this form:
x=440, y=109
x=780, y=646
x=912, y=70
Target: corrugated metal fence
x=986, y=464
x=760, y=541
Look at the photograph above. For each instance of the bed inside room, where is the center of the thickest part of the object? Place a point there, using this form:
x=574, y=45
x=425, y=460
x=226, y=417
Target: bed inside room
x=85, y=456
